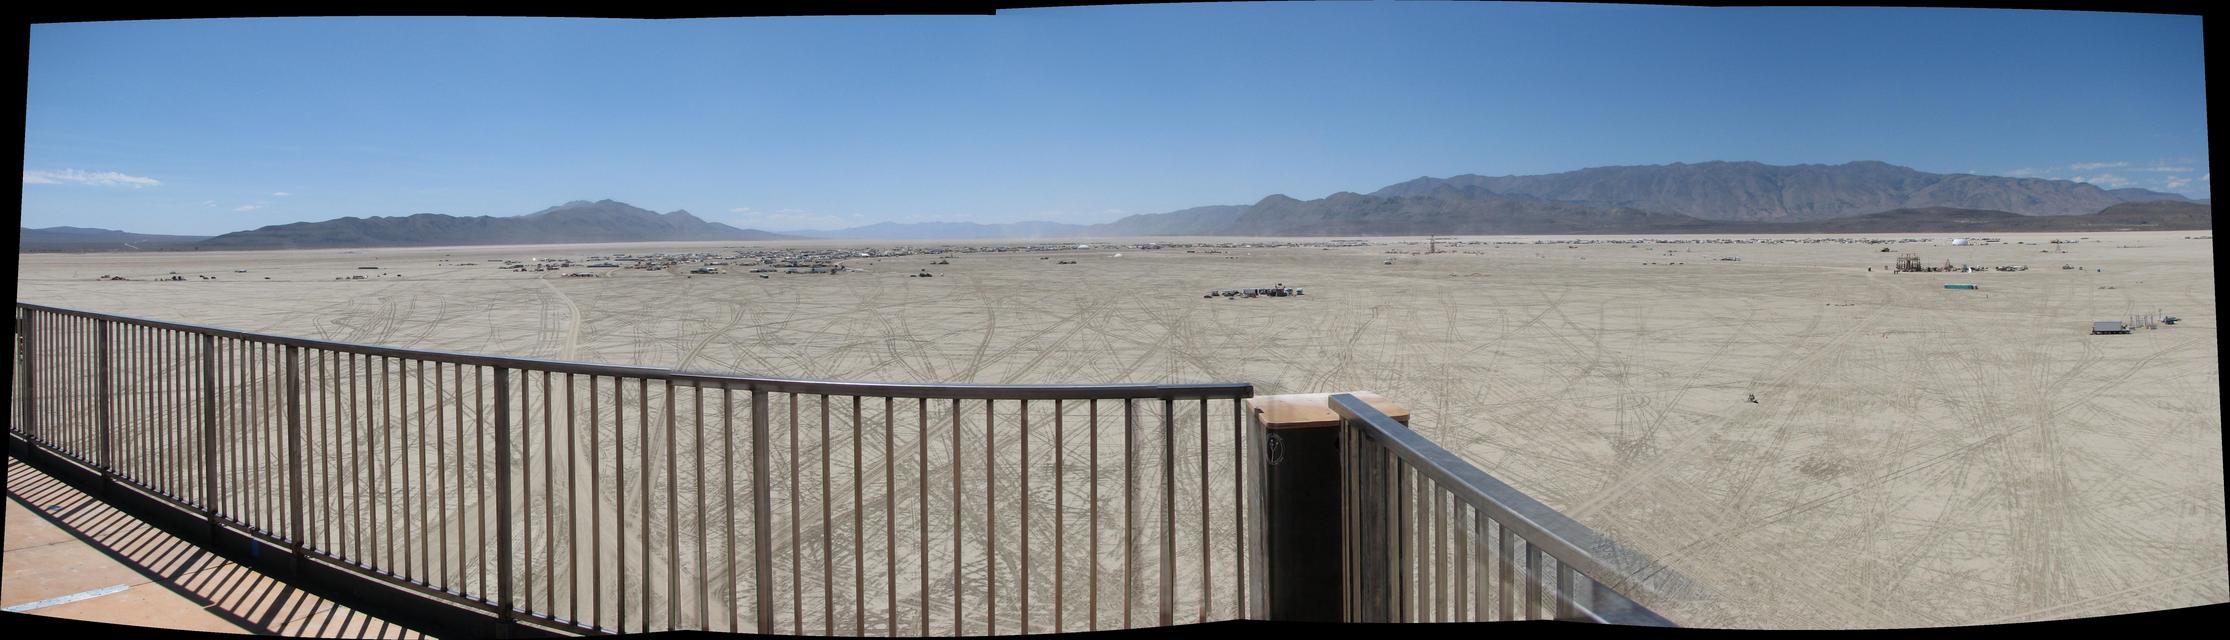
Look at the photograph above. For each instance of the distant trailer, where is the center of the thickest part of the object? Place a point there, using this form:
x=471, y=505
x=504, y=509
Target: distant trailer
x=1961, y=286
x=367, y=267
x=2110, y=326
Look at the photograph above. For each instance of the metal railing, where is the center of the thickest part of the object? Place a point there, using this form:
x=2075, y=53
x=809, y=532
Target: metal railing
x=593, y=498
x=1419, y=526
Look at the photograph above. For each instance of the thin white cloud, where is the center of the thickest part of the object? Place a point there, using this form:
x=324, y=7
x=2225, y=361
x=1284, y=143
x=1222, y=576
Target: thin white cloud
x=247, y=207
x=2107, y=180
x=2024, y=172
x=2177, y=182
x=790, y=219
x=280, y=194
x=2087, y=166
x=90, y=178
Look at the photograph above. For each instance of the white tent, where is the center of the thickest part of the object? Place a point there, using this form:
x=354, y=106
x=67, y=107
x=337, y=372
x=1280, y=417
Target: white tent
x=1958, y=242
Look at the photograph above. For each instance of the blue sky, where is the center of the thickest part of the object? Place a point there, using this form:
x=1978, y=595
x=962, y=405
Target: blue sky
x=1067, y=114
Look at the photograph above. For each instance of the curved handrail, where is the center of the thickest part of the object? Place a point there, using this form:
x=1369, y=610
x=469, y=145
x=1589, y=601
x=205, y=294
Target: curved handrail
x=1571, y=543
x=711, y=379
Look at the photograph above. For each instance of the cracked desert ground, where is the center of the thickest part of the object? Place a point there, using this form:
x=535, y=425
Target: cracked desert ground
x=1917, y=456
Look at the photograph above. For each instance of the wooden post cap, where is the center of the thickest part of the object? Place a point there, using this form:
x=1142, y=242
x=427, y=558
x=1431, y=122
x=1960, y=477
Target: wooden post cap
x=1298, y=410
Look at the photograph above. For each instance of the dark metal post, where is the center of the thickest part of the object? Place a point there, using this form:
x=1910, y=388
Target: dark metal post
x=294, y=453
x=1302, y=507
x=209, y=433
x=29, y=329
x=762, y=509
x=108, y=464
x=503, y=492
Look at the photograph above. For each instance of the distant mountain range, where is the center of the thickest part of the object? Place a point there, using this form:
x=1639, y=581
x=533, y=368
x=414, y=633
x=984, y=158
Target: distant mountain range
x=572, y=222
x=1708, y=197
x=951, y=231
x=83, y=239
x=1675, y=198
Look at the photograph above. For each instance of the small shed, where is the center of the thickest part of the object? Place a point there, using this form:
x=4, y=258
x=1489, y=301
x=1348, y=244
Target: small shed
x=1960, y=286
x=2108, y=326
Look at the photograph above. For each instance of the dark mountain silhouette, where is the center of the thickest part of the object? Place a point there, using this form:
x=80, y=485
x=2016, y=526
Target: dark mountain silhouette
x=573, y=222
x=84, y=239
x=1762, y=192
x=1675, y=198
x=951, y=231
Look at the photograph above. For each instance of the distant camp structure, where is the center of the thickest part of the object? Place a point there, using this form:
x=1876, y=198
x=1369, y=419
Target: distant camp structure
x=2108, y=326
x=1279, y=291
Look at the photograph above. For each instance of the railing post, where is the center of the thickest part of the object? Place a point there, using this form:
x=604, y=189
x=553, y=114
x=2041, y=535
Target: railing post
x=762, y=509
x=296, y=526
x=1302, y=523
x=29, y=330
x=503, y=492
x=101, y=359
x=209, y=433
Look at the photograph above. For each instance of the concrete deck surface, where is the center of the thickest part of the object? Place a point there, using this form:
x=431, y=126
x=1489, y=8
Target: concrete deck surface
x=70, y=556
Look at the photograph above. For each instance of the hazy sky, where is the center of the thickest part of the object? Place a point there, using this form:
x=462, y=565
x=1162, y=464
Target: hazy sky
x=1070, y=114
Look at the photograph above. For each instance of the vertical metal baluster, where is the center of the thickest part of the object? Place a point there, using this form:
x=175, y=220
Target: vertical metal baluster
x=728, y=493
x=762, y=508
x=890, y=517
x=990, y=522
x=387, y=467
x=859, y=544
x=1239, y=506
x=1462, y=590
x=596, y=501
x=959, y=623
x=797, y=566
x=704, y=588
x=402, y=406
x=27, y=325
x=1168, y=579
x=1349, y=537
x=1439, y=554
x=1094, y=470
x=294, y=456
x=619, y=503
x=503, y=492
x=1509, y=570
x=1025, y=510
x=358, y=452
x=1130, y=472
x=425, y=512
x=1533, y=582
x=441, y=451
x=642, y=416
x=572, y=498
x=1563, y=591
x=105, y=386
x=480, y=474
x=673, y=516
x=828, y=544
x=549, y=503
x=1060, y=518
x=921, y=522
x=1480, y=545
x=1207, y=592
x=209, y=446
x=1405, y=571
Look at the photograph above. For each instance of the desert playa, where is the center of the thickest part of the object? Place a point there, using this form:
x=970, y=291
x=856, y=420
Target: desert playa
x=1915, y=455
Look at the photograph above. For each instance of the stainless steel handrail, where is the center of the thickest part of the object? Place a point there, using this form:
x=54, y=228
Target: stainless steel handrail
x=1575, y=546
x=303, y=444
x=709, y=379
